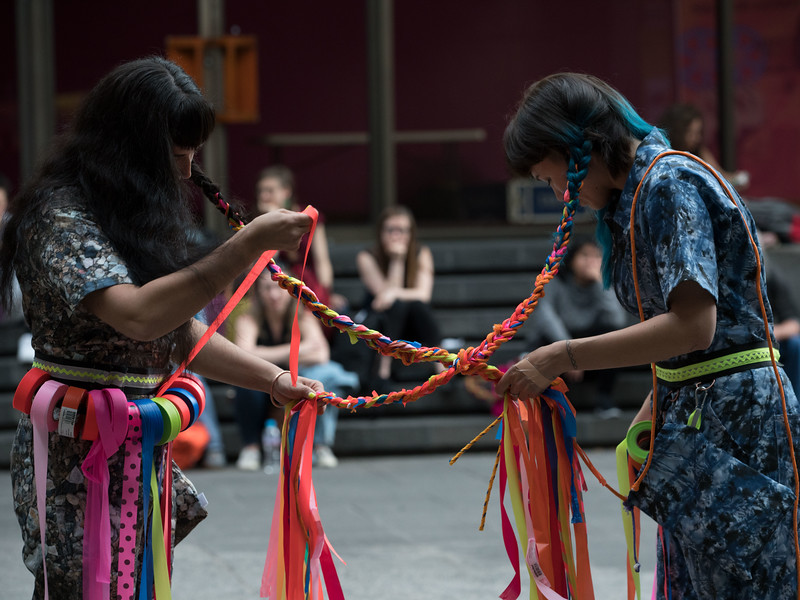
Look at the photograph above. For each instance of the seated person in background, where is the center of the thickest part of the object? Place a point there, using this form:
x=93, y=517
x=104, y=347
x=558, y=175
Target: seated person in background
x=14, y=334
x=575, y=305
x=266, y=331
x=785, y=314
x=683, y=124
x=786, y=326
x=398, y=276
x=275, y=189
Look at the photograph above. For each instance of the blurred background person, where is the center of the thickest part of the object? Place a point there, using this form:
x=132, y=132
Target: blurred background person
x=684, y=126
x=16, y=339
x=276, y=189
x=575, y=305
x=265, y=331
x=398, y=275
x=5, y=194
x=785, y=312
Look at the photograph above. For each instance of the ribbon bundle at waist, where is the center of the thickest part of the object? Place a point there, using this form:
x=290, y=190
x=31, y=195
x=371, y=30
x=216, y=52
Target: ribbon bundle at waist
x=75, y=413
x=109, y=420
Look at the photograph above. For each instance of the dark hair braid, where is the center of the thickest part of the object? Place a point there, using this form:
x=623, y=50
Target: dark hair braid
x=212, y=192
x=579, y=157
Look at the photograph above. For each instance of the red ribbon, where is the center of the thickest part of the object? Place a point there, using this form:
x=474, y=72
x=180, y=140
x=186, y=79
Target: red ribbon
x=294, y=347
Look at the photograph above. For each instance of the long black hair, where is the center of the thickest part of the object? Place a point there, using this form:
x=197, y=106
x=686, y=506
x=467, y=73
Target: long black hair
x=118, y=156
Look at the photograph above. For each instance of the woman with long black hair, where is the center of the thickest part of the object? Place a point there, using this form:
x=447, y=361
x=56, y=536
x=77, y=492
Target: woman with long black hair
x=99, y=240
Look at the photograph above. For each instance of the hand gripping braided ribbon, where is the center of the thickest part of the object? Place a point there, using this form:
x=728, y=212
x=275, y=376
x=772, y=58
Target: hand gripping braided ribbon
x=299, y=554
x=468, y=361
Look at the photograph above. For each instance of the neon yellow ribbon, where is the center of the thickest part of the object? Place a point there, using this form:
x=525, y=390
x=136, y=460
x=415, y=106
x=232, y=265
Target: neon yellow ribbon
x=627, y=521
x=160, y=570
x=715, y=365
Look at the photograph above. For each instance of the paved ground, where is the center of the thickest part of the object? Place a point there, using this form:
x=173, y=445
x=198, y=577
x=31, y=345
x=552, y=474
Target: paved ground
x=407, y=527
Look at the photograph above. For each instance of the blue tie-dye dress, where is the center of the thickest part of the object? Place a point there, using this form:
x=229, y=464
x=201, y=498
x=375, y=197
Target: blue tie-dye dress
x=687, y=229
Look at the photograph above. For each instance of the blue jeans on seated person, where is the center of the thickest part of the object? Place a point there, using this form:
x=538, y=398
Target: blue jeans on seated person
x=253, y=408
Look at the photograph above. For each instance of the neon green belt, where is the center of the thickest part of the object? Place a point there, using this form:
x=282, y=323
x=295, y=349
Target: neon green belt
x=723, y=365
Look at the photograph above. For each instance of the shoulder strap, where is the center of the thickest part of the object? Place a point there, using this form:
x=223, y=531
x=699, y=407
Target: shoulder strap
x=765, y=319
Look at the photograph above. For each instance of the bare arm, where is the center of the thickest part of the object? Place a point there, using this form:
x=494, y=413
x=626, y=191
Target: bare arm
x=688, y=326
x=786, y=329
x=645, y=410
x=151, y=311
x=322, y=258
x=224, y=361
x=423, y=287
x=370, y=273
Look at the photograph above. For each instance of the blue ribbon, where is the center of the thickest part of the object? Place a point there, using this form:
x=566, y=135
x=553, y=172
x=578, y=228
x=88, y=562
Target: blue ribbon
x=191, y=402
x=569, y=427
x=152, y=430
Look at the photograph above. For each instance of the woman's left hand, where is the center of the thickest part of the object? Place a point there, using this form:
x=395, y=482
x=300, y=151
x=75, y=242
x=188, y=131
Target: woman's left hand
x=532, y=375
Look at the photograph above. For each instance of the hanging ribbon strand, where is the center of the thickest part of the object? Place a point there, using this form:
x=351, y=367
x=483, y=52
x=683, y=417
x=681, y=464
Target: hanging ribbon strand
x=298, y=549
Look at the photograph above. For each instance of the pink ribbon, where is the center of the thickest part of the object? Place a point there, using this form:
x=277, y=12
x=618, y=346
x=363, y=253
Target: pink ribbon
x=43, y=422
x=532, y=555
x=111, y=412
x=509, y=539
x=126, y=567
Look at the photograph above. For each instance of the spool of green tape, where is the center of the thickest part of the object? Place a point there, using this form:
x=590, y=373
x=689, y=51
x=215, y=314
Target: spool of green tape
x=172, y=420
x=638, y=441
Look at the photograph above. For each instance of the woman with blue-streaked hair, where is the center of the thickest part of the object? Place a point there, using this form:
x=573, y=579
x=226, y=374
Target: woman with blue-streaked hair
x=721, y=483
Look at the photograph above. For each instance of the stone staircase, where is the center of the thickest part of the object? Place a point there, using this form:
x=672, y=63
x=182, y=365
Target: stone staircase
x=479, y=282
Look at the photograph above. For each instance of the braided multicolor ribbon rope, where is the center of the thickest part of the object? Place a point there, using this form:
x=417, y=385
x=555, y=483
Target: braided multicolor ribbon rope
x=468, y=361
x=299, y=554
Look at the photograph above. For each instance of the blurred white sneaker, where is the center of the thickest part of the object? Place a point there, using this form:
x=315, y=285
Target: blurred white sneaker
x=214, y=459
x=249, y=459
x=325, y=457
x=608, y=413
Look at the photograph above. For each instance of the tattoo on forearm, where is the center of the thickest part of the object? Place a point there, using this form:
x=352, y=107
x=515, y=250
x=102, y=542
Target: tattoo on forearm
x=571, y=356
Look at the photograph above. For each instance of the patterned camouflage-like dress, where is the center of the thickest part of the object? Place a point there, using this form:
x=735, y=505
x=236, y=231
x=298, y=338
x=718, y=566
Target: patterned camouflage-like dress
x=687, y=229
x=63, y=257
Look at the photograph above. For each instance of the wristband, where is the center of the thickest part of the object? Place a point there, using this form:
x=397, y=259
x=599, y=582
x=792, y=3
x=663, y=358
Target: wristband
x=27, y=388
x=73, y=412
x=272, y=389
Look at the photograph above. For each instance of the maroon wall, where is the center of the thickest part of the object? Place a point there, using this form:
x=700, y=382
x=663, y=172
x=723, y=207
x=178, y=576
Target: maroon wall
x=458, y=64
x=9, y=132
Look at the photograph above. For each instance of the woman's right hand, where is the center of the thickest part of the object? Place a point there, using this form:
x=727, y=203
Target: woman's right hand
x=280, y=229
x=284, y=392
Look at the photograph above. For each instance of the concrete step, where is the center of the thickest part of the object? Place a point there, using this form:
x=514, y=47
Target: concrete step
x=416, y=434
